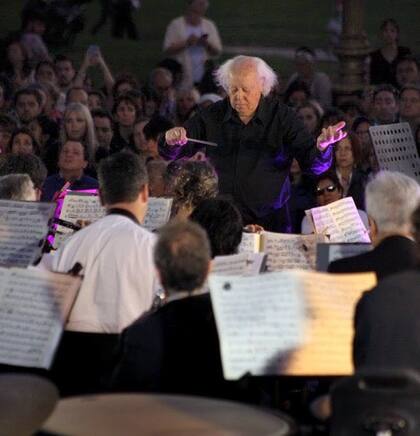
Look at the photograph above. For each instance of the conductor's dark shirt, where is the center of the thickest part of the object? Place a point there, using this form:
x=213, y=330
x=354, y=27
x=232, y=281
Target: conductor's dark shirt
x=253, y=160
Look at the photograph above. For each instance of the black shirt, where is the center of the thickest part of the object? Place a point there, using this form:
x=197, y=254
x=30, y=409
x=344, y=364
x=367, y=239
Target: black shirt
x=253, y=160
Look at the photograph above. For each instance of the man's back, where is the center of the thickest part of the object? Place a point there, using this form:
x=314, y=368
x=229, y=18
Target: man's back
x=387, y=324
x=117, y=258
x=173, y=350
x=394, y=254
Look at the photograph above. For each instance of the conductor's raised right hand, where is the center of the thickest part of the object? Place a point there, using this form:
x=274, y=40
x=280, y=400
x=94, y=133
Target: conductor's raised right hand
x=176, y=136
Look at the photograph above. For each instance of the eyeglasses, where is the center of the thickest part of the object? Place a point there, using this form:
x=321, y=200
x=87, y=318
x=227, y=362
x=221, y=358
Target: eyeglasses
x=330, y=188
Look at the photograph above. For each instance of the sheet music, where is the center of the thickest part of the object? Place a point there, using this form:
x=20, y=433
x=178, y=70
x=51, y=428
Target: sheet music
x=158, y=212
x=78, y=206
x=250, y=243
x=331, y=302
x=290, y=322
x=238, y=264
x=341, y=221
x=34, y=305
x=23, y=229
x=259, y=321
x=286, y=251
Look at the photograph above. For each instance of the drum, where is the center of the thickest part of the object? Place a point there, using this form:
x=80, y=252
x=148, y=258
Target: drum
x=163, y=415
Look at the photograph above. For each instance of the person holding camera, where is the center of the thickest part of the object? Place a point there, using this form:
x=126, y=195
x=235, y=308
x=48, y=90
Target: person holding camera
x=192, y=39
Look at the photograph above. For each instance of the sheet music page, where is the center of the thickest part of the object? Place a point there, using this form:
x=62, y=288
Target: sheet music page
x=241, y=264
x=34, y=305
x=23, y=228
x=260, y=319
x=287, y=251
x=250, y=243
x=78, y=206
x=158, y=212
x=331, y=301
x=341, y=221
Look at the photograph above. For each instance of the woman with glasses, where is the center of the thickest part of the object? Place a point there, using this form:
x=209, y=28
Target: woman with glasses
x=327, y=190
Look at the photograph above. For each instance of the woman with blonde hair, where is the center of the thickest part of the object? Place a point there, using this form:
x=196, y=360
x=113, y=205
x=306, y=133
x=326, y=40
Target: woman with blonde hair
x=78, y=126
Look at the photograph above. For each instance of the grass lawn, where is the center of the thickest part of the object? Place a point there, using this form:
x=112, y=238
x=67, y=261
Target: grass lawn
x=270, y=23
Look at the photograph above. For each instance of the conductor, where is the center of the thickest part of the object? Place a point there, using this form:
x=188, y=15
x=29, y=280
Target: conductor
x=257, y=138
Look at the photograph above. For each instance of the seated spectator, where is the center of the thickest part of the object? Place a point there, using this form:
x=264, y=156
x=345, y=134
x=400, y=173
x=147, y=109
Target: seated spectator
x=124, y=84
x=223, y=224
x=156, y=171
x=296, y=94
x=153, y=131
x=347, y=156
x=186, y=104
x=368, y=162
x=104, y=124
x=386, y=317
x=16, y=64
x=66, y=73
x=328, y=190
x=190, y=183
x=73, y=159
x=45, y=73
x=25, y=164
x=318, y=83
x=115, y=252
x=161, y=81
x=17, y=187
x=311, y=113
x=23, y=142
x=385, y=105
x=208, y=99
x=28, y=104
x=391, y=198
x=125, y=112
x=7, y=126
x=77, y=94
x=96, y=100
x=384, y=60
x=176, y=348
x=78, y=126
x=410, y=106
x=407, y=72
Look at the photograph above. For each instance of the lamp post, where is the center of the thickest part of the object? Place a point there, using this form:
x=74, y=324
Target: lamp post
x=352, y=52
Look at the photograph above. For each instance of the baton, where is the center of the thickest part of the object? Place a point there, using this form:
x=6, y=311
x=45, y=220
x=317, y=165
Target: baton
x=200, y=141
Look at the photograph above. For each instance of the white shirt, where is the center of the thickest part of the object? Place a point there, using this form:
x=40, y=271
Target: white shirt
x=119, y=274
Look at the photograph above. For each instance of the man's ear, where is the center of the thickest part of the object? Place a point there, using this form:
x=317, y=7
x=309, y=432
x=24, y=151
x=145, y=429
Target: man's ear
x=101, y=200
x=373, y=228
x=144, y=194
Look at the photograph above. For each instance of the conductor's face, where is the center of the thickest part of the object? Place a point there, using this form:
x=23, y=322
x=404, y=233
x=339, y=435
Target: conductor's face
x=245, y=91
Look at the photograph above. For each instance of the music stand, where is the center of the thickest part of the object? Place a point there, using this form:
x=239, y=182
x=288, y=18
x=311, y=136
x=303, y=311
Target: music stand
x=26, y=401
x=395, y=149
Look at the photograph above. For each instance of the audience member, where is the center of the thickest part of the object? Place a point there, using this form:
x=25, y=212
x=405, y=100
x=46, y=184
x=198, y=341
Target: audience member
x=408, y=72
x=368, y=162
x=66, y=73
x=77, y=94
x=311, y=113
x=347, y=155
x=192, y=39
x=104, y=125
x=115, y=252
x=161, y=81
x=410, y=106
x=125, y=112
x=223, y=224
x=384, y=60
x=153, y=131
x=296, y=94
x=23, y=142
x=28, y=104
x=391, y=198
x=385, y=105
x=328, y=190
x=17, y=187
x=73, y=160
x=318, y=83
x=7, y=126
x=186, y=104
x=17, y=66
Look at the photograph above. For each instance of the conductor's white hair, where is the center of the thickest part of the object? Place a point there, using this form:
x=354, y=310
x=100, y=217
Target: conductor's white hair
x=391, y=198
x=266, y=74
